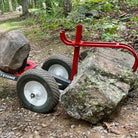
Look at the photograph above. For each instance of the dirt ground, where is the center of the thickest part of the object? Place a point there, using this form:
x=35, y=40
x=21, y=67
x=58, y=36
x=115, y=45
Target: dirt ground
x=8, y=16
x=18, y=122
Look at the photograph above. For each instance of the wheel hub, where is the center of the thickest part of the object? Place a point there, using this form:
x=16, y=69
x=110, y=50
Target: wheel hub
x=32, y=95
x=59, y=71
x=35, y=93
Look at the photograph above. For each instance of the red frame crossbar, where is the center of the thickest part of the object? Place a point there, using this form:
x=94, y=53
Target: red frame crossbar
x=78, y=43
x=29, y=65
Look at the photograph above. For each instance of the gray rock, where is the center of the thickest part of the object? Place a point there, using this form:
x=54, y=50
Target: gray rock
x=14, y=50
x=102, y=82
x=73, y=126
x=98, y=128
x=93, y=13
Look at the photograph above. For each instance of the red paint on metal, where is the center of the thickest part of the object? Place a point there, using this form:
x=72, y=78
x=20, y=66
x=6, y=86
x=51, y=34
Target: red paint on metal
x=75, y=62
x=76, y=51
x=78, y=43
x=30, y=65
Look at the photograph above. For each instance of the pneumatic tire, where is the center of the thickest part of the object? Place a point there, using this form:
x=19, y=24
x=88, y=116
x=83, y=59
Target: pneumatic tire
x=60, y=66
x=37, y=91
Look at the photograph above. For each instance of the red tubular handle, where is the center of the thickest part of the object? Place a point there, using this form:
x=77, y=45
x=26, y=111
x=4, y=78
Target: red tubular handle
x=78, y=43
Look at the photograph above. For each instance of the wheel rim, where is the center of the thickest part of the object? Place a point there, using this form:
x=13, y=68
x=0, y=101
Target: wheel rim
x=59, y=70
x=35, y=93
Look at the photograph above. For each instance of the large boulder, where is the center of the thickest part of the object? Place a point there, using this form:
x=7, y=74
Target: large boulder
x=103, y=81
x=14, y=50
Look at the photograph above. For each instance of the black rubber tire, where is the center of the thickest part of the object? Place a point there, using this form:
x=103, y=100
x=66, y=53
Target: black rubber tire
x=61, y=60
x=48, y=83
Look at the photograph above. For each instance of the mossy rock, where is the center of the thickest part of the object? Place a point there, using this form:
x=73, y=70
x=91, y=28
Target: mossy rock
x=104, y=79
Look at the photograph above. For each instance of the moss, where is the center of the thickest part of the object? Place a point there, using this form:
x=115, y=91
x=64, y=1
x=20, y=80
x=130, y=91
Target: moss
x=81, y=94
x=95, y=103
x=80, y=107
x=134, y=85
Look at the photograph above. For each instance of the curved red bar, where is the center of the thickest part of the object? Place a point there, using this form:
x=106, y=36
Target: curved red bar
x=78, y=43
x=64, y=39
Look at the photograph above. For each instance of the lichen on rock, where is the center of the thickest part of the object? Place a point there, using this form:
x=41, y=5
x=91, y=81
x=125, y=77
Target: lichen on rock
x=102, y=82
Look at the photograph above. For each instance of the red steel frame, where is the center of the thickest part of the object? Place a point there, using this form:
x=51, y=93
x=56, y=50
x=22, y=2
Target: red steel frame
x=78, y=43
x=30, y=65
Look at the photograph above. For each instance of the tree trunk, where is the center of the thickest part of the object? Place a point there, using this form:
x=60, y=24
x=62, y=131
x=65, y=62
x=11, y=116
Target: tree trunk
x=67, y=6
x=25, y=7
x=3, y=6
x=48, y=6
x=10, y=6
x=33, y=4
x=16, y=4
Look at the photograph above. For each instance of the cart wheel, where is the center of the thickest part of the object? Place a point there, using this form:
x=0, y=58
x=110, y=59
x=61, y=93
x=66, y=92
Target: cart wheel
x=60, y=66
x=37, y=91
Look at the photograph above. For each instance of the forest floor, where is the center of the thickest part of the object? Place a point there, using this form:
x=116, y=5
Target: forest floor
x=18, y=122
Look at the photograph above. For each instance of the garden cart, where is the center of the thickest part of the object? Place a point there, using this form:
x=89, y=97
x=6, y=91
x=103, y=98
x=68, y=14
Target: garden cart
x=38, y=87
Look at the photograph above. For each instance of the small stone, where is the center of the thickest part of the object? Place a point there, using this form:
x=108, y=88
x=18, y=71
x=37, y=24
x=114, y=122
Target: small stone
x=18, y=134
x=105, y=131
x=14, y=128
x=88, y=132
x=26, y=129
x=34, y=114
x=54, y=117
x=37, y=136
x=54, y=134
x=11, y=133
x=115, y=124
x=73, y=126
x=131, y=124
x=48, y=114
x=71, y=135
x=44, y=125
x=31, y=136
x=79, y=125
x=98, y=128
x=38, y=128
x=134, y=107
x=51, y=120
x=123, y=136
x=65, y=134
x=28, y=120
x=36, y=132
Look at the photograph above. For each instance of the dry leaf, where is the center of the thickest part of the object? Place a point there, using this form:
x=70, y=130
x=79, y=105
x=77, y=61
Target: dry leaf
x=107, y=125
x=110, y=129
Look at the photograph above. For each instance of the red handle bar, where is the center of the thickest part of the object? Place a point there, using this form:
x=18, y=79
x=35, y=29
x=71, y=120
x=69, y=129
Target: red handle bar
x=78, y=43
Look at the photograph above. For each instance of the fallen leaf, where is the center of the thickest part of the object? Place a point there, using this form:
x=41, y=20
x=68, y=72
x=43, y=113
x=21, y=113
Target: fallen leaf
x=110, y=129
x=107, y=125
